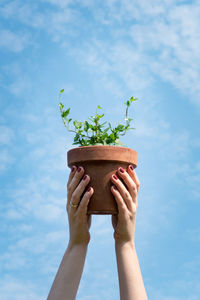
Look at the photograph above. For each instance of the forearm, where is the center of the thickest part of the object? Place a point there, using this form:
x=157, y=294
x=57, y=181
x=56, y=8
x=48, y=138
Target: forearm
x=68, y=276
x=130, y=277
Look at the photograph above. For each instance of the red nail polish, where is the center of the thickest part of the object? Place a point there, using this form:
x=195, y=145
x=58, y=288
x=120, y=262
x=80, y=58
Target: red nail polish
x=89, y=189
x=121, y=170
x=131, y=167
x=114, y=187
x=79, y=169
x=84, y=178
x=115, y=177
x=73, y=168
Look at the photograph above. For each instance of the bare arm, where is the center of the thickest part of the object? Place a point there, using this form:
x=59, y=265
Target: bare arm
x=66, y=282
x=129, y=273
x=68, y=277
x=130, y=277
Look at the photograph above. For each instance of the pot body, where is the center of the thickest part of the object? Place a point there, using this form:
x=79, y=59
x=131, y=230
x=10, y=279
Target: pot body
x=100, y=162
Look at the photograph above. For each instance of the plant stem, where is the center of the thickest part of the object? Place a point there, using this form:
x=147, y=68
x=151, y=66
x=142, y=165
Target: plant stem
x=65, y=123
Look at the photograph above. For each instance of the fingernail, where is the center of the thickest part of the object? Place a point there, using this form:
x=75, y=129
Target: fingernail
x=121, y=170
x=114, y=187
x=84, y=178
x=73, y=168
x=131, y=167
x=89, y=189
x=79, y=169
x=115, y=177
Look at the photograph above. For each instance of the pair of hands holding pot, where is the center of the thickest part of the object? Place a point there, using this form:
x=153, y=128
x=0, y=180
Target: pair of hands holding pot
x=125, y=196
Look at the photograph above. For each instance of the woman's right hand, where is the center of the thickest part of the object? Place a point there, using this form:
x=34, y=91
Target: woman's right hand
x=126, y=198
x=78, y=198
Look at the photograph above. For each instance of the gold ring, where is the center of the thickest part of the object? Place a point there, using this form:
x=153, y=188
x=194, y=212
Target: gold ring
x=73, y=205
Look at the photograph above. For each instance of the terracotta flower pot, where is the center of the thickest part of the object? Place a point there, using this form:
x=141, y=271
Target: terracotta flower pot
x=100, y=162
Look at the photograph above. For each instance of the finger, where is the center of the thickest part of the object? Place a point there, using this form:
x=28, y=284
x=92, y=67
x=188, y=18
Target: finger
x=128, y=199
x=76, y=195
x=133, y=175
x=71, y=175
x=130, y=183
x=83, y=205
x=122, y=208
x=76, y=177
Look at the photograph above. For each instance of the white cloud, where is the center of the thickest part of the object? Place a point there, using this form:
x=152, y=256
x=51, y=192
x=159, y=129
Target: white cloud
x=163, y=42
x=177, y=289
x=175, y=38
x=35, y=199
x=20, y=86
x=51, y=20
x=12, y=41
x=19, y=83
x=6, y=160
x=190, y=174
x=55, y=236
x=29, y=14
x=12, y=213
x=6, y=135
x=43, y=240
x=12, y=260
x=192, y=264
x=15, y=289
x=101, y=226
x=40, y=245
x=60, y=3
x=49, y=212
x=24, y=228
x=42, y=194
x=141, y=31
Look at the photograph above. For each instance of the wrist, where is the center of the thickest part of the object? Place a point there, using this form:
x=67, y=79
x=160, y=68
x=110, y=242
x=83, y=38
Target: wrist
x=119, y=245
x=80, y=246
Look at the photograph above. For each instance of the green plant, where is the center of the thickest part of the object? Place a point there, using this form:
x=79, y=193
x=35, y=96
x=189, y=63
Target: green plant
x=99, y=136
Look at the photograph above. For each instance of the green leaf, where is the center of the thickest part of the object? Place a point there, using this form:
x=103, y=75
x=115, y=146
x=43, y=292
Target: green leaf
x=133, y=99
x=86, y=126
x=83, y=142
x=61, y=105
x=90, y=119
x=76, y=143
x=76, y=137
x=61, y=91
x=120, y=127
x=77, y=124
x=129, y=119
x=105, y=130
x=99, y=107
x=90, y=125
x=112, y=136
x=65, y=113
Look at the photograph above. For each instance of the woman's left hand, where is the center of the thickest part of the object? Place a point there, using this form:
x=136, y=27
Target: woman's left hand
x=125, y=190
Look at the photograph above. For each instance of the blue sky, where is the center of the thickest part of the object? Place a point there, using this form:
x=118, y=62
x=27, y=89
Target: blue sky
x=102, y=53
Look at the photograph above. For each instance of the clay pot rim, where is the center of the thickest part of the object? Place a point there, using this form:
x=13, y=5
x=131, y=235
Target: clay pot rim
x=102, y=153
x=97, y=146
